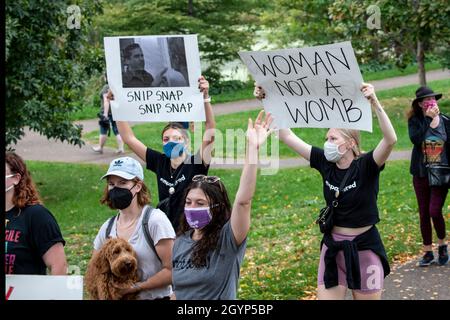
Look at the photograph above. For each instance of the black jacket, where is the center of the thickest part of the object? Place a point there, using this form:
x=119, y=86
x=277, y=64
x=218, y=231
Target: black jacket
x=417, y=128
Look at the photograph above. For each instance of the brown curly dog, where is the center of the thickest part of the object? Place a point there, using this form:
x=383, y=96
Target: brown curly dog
x=115, y=264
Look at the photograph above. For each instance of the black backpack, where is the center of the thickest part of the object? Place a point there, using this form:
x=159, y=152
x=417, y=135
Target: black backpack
x=148, y=238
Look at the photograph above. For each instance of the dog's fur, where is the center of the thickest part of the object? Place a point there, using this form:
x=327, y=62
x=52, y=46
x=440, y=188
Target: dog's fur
x=114, y=264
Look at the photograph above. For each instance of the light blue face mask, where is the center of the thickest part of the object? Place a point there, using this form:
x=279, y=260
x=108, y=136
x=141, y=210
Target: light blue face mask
x=173, y=150
x=331, y=151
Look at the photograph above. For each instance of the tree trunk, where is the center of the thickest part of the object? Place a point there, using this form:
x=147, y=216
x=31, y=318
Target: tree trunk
x=421, y=62
x=191, y=8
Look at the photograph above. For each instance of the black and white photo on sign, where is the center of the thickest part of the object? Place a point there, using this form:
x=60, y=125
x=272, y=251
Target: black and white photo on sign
x=153, y=62
x=154, y=78
x=316, y=87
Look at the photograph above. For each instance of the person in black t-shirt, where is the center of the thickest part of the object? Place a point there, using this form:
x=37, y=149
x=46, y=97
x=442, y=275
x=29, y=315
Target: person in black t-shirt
x=429, y=131
x=33, y=240
x=352, y=256
x=175, y=167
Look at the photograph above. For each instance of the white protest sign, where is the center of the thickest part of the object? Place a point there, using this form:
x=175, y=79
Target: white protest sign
x=40, y=287
x=315, y=87
x=154, y=78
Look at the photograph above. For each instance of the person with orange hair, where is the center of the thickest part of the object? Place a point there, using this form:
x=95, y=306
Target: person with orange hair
x=33, y=240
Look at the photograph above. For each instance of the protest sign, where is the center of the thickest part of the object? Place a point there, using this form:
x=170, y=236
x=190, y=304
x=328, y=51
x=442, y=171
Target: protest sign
x=43, y=287
x=154, y=78
x=315, y=87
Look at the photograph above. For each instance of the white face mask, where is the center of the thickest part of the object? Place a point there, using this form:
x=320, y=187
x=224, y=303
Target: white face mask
x=11, y=186
x=331, y=151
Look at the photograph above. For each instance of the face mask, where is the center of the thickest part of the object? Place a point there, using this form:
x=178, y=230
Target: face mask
x=429, y=104
x=11, y=186
x=120, y=197
x=331, y=151
x=197, y=218
x=173, y=150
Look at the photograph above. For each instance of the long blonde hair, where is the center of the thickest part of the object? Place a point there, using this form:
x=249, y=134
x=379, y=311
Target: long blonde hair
x=349, y=134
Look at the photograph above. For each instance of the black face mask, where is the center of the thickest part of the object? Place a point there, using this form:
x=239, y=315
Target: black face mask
x=120, y=197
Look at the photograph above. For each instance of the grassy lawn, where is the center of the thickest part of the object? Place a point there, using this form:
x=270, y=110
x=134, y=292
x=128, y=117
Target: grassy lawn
x=396, y=101
x=283, y=244
x=90, y=112
x=396, y=72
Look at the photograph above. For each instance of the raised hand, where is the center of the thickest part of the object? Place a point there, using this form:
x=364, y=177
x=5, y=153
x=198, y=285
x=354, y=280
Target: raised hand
x=368, y=91
x=258, y=132
x=203, y=85
x=259, y=92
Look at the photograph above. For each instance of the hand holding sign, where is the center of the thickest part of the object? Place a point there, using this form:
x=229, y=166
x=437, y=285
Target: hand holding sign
x=203, y=85
x=259, y=92
x=369, y=92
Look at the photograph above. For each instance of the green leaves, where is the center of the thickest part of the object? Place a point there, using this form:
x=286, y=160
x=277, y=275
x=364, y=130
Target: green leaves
x=45, y=68
x=223, y=27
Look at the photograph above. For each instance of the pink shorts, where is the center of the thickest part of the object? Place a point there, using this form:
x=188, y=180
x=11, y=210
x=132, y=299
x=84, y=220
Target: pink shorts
x=372, y=273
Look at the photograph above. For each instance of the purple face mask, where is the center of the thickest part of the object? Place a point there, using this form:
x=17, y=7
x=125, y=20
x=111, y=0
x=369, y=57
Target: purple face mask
x=197, y=218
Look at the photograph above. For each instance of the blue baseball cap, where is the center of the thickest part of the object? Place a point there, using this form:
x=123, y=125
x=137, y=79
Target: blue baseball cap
x=125, y=167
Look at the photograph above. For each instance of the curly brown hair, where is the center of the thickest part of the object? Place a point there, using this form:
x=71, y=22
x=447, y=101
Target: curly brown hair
x=220, y=209
x=143, y=196
x=25, y=192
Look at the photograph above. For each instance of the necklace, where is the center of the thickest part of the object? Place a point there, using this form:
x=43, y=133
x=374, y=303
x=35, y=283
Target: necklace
x=130, y=224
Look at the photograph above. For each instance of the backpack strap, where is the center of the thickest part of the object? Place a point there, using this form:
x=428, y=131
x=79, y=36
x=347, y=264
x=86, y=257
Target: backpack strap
x=149, y=239
x=109, y=227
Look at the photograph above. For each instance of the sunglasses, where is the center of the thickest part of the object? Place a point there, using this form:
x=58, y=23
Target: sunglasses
x=203, y=178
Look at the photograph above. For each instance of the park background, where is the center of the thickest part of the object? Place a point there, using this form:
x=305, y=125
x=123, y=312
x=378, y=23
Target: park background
x=55, y=60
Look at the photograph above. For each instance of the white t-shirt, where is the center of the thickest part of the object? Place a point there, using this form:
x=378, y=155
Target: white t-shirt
x=159, y=228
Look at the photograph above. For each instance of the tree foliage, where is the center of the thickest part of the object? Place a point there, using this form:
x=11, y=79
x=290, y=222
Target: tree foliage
x=402, y=24
x=46, y=65
x=223, y=27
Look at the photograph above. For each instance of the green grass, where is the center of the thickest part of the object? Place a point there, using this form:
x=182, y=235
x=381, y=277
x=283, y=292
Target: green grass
x=396, y=102
x=396, y=72
x=283, y=244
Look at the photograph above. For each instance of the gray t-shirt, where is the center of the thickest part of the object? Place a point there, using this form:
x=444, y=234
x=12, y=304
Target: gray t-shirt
x=218, y=279
x=159, y=228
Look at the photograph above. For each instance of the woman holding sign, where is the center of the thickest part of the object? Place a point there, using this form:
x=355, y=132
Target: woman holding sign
x=352, y=253
x=175, y=167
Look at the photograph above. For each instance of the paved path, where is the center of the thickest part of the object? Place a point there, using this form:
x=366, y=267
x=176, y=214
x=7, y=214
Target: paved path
x=410, y=282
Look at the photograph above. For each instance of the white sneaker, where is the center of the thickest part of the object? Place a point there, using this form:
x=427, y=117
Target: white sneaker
x=97, y=149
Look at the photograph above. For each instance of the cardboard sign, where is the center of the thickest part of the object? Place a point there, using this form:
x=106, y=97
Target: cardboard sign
x=315, y=87
x=154, y=78
x=38, y=287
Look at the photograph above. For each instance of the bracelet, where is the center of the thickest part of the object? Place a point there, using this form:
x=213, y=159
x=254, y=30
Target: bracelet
x=207, y=99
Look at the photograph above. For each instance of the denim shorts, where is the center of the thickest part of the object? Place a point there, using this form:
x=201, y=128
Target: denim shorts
x=112, y=123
